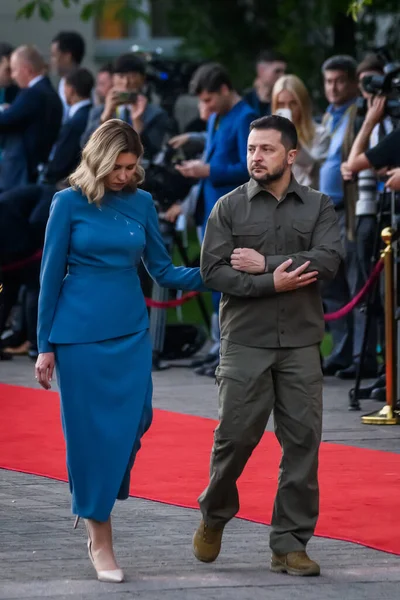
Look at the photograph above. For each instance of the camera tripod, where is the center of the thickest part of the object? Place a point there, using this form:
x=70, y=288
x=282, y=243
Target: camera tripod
x=158, y=317
x=386, y=215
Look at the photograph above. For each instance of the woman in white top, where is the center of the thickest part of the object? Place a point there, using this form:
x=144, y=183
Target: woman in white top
x=291, y=99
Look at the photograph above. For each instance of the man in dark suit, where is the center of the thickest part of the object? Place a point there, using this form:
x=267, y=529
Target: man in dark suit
x=66, y=53
x=8, y=90
x=65, y=156
x=24, y=210
x=30, y=126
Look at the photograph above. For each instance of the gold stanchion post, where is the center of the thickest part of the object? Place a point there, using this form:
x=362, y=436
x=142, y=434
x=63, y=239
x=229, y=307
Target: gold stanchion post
x=388, y=415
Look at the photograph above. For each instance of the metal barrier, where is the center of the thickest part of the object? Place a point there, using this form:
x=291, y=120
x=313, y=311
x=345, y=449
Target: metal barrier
x=389, y=414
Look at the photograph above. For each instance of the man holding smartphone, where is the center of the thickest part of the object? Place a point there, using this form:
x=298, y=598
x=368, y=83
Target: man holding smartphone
x=130, y=100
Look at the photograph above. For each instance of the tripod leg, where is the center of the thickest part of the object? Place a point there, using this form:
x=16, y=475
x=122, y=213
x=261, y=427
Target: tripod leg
x=355, y=395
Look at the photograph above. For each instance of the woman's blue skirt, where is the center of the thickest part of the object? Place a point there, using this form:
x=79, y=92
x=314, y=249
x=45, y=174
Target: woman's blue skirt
x=106, y=393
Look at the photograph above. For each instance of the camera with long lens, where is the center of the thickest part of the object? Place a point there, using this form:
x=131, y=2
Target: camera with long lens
x=169, y=77
x=387, y=84
x=164, y=181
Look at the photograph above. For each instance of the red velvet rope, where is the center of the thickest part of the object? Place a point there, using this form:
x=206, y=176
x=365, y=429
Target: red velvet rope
x=186, y=297
x=329, y=317
x=171, y=303
x=18, y=264
x=342, y=312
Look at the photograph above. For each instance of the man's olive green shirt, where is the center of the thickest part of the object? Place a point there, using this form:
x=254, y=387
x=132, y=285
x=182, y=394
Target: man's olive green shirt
x=301, y=226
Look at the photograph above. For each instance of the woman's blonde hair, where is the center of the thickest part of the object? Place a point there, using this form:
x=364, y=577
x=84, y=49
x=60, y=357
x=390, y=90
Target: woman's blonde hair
x=294, y=85
x=99, y=156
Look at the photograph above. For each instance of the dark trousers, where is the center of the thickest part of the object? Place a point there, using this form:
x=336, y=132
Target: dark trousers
x=360, y=267
x=26, y=279
x=253, y=382
x=335, y=295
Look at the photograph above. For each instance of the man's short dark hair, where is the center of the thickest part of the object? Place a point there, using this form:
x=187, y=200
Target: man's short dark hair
x=269, y=56
x=371, y=62
x=5, y=50
x=284, y=126
x=72, y=42
x=82, y=81
x=130, y=63
x=209, y=78
x=341, y=62
x=106, y=68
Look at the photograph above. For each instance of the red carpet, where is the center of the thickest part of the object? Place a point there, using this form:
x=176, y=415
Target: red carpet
x=360, y=489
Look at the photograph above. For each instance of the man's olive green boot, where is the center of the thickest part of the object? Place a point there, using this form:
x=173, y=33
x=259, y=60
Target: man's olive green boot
x=207, y=542
x=294, y=563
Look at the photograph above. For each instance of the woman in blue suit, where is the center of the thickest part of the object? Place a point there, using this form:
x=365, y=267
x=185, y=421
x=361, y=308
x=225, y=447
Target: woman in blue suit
x=93, y=324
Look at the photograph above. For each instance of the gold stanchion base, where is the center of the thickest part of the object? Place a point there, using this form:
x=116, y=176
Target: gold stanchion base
x=386, y=416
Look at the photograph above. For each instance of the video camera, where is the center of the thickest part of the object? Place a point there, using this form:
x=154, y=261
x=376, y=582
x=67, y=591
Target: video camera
x=169, y=77
x=163, y=180
x=387, y=85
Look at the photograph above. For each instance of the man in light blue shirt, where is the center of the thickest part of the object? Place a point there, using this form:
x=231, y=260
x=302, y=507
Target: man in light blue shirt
x=341, y=90
x=337, y=122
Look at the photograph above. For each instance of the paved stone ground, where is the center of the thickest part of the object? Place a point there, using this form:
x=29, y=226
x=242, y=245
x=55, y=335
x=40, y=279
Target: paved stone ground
x=42, y=557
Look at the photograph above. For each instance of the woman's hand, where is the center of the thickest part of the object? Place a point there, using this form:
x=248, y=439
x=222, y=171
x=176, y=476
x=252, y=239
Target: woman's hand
x=44, y=369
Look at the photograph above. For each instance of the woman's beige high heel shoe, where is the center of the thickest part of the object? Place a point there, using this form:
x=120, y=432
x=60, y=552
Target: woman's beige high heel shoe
x=114, y=576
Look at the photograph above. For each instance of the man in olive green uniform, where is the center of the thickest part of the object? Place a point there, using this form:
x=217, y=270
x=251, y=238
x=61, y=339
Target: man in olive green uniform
x=266, y=247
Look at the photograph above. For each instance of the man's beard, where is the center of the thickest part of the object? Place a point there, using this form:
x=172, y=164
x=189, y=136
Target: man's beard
x=272, y=176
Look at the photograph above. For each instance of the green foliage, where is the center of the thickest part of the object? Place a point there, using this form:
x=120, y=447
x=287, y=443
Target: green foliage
x=305, y=31
x=356, y=6
x=44, y=8
x=89, y=9
x=234, y=31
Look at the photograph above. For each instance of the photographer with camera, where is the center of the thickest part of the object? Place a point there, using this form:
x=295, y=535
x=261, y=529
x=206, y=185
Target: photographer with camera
x=366, y=209
x=385, y=155
x=131, y=100
x=384, y=90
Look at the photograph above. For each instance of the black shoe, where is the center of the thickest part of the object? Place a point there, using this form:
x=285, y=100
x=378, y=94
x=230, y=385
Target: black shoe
x=330, y=369
x=205, y=360
x=351, y=372
x=210, y=372
x=5, y=355
x=208, y=369
x=12, y=340
x=378, y=394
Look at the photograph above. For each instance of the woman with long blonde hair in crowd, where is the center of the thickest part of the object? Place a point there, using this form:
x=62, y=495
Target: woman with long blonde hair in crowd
x=93, y=324
x=291, y=99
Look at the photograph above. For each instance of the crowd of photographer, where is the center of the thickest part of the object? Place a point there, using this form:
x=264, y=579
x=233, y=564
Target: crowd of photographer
x=343, y=154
